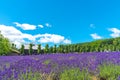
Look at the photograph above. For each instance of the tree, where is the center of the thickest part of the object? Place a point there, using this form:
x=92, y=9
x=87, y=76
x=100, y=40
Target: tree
x=55, y=49
x=66, y=49
x=115, y=42
x=22, y=49
x=78, y=48
x=72, y=48
x=30, y=49
x=46, y=48
x=39, y=49
x=51, y=49
x=14, y=46
x=61, y=49
x=5, y=45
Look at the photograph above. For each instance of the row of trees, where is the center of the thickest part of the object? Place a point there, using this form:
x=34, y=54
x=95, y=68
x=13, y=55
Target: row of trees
x=47, y=49
x=112, y=44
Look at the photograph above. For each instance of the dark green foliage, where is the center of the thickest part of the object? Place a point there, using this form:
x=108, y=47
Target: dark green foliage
x=14, y=46
x=112, y=44
x=66, y=49
x=39, y=49
x=55, y=48
x=59, y=49
x=30, y=49
x=46, y=50
x=22, y=49
x=51, y=50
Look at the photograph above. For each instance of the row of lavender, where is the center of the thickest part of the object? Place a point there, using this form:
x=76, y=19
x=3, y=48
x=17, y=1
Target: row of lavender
x=12, y=68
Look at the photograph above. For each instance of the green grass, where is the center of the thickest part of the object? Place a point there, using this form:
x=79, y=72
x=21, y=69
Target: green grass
x=30, y=76
x=75, y=74
x=46, y=62
x=109, y=71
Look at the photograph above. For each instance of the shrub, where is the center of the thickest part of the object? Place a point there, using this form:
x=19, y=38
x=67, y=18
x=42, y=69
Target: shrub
x=109, y=72
x=75, y=74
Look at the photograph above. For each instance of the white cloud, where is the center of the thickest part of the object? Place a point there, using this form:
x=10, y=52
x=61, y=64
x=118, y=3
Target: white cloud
x=16, y=36
x=48, y=25
x=66, y=41
x=116, y=32
x=25, y=26
x=29, y=37
x=12, y=33
x=52, y=38
x=92, y=25
x=95, y=36
x=41, y=26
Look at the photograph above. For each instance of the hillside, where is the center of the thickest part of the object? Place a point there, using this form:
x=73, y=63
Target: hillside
x=111, y=44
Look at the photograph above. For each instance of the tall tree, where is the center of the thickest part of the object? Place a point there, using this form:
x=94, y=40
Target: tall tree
x=55, y=49
x=13, y=45
x=30, y=48
x=22, y=49
x=51, y=49
x=61, y=49
x=46, y=50
x=66, y=49
x=39, y=49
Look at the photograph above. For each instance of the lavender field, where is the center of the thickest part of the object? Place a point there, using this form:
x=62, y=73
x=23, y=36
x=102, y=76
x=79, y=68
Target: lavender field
x=72, y=66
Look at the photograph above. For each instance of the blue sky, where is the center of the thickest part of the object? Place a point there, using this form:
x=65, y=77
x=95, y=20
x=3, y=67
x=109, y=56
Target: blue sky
x=59, y=22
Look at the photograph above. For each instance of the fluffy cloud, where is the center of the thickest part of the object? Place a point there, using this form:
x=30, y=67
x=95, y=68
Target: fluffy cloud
x=25, y=26
x=12, y=33
x=41, y=26
x=116, y=32
x=15, y=35
x=48, y=25
x=52, y=38
x=18, y=37
x=66, y=41
x=95, y=36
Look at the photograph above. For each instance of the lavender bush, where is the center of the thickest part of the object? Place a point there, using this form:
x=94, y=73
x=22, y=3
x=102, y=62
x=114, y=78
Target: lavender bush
x=36, y=67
